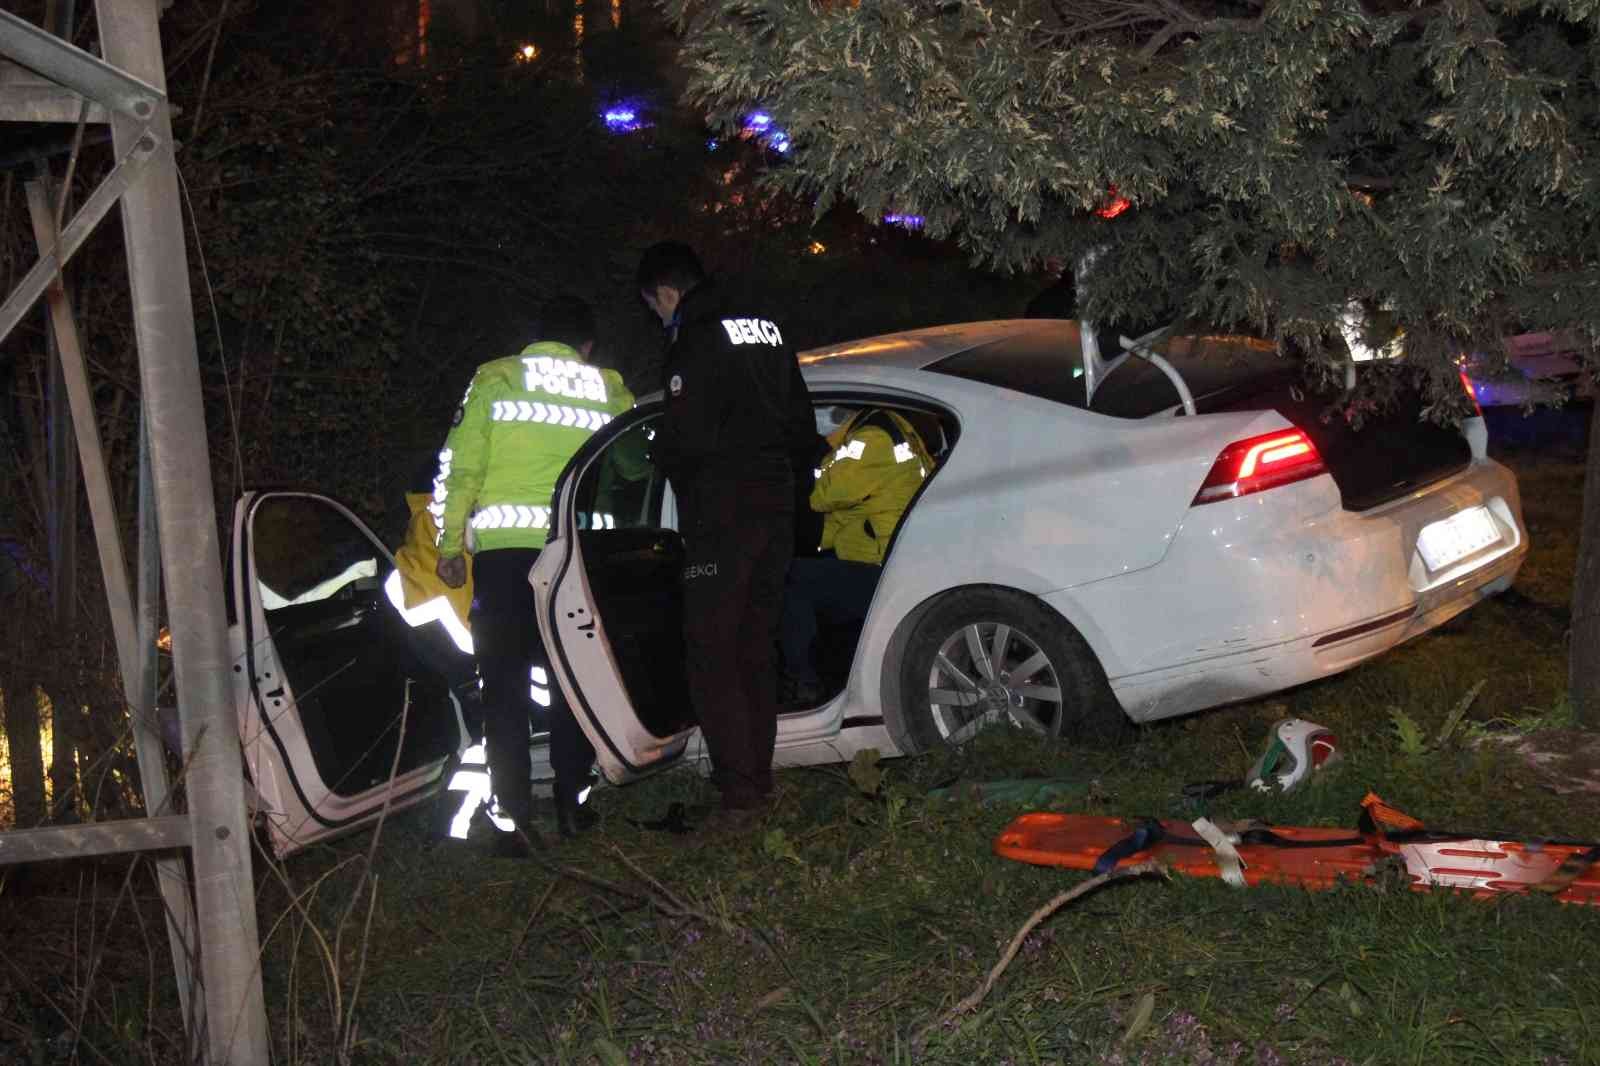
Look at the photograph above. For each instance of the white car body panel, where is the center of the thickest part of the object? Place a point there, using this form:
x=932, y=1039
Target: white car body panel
x=1259, y=592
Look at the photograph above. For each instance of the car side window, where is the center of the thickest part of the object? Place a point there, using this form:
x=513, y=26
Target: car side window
x=622, y=488
x=305, y=551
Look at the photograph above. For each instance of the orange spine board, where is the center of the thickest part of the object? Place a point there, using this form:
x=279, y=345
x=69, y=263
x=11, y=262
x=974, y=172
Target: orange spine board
x=1485, y=868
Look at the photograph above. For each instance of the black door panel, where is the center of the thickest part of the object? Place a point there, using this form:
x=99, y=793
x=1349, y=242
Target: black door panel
x=634, y=577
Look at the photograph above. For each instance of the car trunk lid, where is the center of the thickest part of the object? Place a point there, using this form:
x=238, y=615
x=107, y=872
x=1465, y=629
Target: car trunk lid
x=1391, y=453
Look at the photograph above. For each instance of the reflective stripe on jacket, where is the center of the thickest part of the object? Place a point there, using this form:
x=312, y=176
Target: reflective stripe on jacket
x=522, y=420
x=866, y=484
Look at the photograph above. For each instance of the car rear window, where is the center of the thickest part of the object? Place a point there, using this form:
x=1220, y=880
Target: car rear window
x=1047, y=363
x=1213, y=367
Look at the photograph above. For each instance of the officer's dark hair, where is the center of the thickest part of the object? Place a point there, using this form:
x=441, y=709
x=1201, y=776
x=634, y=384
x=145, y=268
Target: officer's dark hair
x=566, y=320
x=670, y=263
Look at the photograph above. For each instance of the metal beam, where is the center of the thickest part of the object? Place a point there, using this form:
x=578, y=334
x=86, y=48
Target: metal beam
x=66, y=64
x=96, y=838
x=26, y=97
x=104, y=197
x=171, y=875
x=96, y=479
x=169, y=374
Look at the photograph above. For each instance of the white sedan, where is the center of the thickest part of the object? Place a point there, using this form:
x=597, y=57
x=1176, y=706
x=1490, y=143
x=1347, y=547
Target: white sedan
x=1099, y=541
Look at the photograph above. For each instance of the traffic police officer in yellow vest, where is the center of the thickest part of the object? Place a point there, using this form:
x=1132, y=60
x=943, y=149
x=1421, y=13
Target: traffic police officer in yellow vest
x=522, y=419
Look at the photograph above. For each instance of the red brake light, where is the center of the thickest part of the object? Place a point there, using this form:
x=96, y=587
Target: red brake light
x=1258, y=463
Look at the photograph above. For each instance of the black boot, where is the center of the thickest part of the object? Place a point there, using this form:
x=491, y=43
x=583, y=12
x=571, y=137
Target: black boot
x=572, y=817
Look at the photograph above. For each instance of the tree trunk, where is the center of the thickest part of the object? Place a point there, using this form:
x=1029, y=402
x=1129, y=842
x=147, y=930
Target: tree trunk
x=27, y=758
x=1583, y=653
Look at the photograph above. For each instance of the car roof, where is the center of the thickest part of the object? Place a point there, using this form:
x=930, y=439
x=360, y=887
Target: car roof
x=918, y=348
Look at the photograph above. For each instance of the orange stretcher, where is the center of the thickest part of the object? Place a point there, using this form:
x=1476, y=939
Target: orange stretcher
x=1252, y=854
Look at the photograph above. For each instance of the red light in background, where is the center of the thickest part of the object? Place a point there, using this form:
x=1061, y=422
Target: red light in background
x=1472, y=394
x=1115, y=206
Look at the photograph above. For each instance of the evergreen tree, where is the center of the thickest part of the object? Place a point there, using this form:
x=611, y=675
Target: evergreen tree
x=1434, y=163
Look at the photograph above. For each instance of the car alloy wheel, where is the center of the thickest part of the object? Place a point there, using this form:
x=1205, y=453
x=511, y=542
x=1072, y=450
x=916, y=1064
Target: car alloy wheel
x=989, y=672
x=979, y=657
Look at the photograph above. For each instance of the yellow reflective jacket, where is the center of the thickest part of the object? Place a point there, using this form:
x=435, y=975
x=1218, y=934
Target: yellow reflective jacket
x=417, y=562
x=866, y=482
x=522, y=419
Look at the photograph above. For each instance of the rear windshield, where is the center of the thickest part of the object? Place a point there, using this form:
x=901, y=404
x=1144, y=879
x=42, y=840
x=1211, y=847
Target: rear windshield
x=1212, y=366
x=1047, y=363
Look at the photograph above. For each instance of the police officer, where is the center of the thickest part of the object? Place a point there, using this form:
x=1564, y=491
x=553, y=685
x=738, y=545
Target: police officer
x=737, y=414
x=875, y=465
x=522, y=419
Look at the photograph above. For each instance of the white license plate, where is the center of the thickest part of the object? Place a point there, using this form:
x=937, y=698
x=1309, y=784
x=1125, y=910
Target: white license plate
x=1457, y=537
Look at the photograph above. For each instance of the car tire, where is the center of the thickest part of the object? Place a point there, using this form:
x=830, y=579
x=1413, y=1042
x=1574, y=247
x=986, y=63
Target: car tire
x=980, y=657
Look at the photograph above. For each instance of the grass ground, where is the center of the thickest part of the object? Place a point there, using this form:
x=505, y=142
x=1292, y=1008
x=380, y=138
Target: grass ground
x=852, y=921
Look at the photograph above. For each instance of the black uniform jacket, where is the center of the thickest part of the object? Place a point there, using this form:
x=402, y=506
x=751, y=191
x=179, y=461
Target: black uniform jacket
x=737, y=410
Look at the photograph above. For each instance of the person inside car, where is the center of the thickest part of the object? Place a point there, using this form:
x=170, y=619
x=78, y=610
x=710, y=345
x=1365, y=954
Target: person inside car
x=874, y=465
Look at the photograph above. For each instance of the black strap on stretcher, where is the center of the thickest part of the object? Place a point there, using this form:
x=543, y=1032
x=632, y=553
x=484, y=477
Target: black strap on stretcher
x=1151, y=832
x=1148, y=832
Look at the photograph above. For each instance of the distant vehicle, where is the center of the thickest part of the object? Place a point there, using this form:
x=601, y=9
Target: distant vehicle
x=1539, y=368
x=1099, y=540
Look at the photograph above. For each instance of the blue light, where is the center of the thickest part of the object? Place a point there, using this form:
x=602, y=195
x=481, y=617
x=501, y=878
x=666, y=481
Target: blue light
x=713, y=144
x=759, y=125
x=622, y=120
x=905, y=221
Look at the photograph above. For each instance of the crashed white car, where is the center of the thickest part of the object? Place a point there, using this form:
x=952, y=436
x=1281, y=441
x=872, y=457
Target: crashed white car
x=1099, y=540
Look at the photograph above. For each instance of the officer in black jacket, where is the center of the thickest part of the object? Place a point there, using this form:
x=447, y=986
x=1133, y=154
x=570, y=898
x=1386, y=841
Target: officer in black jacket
x=737, y=414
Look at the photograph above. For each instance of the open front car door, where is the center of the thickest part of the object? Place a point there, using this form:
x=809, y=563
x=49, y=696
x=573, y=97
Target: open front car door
x=344, y=703
x=610, y=603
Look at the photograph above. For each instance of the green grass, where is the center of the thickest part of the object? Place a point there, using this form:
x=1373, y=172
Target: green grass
x=882, y=912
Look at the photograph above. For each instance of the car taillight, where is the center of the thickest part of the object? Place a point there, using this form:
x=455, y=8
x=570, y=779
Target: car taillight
x=1258, y=463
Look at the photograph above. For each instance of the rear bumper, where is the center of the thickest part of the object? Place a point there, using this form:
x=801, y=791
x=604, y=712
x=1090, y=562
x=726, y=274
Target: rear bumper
x=1257, y=596
x=1261, y=672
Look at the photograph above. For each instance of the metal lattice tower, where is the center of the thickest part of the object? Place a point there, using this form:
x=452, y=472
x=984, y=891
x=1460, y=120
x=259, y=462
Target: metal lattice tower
x=211, y=917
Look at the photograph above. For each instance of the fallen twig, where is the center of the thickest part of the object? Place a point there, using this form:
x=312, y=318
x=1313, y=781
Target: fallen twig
x=1149, y=866
x=664, y=892
x=533, y=916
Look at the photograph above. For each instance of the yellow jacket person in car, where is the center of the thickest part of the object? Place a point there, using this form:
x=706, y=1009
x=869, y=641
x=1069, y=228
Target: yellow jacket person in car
x=866, y=482
x=875, y=464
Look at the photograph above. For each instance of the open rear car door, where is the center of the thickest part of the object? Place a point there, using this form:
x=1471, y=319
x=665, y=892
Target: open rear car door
x=610, y=603
x=345, y=708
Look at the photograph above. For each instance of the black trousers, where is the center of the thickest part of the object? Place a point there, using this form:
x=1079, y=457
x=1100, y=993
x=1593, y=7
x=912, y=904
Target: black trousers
x=740, y=538
x=821, y=586
x=511, y=662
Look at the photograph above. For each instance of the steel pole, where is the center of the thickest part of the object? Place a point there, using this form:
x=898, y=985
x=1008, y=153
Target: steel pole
x=169, y=371
x=172, y=877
